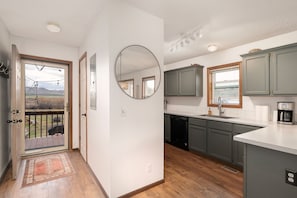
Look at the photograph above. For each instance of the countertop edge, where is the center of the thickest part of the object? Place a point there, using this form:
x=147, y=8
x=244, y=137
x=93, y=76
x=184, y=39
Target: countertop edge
x=265, y=145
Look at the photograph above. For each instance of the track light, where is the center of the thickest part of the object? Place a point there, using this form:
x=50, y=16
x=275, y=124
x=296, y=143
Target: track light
x=186, y=39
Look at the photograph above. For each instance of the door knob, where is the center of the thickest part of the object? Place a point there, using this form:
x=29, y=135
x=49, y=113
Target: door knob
x=84, y=114
x=9, y=121
x=19, y=120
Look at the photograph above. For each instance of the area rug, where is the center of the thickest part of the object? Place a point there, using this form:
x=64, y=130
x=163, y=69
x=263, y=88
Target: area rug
x=46, y=168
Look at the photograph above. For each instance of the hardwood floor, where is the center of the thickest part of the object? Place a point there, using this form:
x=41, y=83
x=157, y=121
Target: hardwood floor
x=80, y=185
x=189, y=175
x=186, y=175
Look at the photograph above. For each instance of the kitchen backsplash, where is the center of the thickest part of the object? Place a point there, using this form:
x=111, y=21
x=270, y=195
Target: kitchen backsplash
x=198, y=105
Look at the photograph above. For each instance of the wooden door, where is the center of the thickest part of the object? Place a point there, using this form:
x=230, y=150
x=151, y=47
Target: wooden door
x=83, y=105
x=16, y=111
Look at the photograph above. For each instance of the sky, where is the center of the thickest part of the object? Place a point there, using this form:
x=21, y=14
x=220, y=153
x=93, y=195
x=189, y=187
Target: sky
x=44, y=77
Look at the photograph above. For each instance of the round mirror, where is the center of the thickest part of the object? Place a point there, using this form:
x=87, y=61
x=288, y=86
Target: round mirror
x=137, y=72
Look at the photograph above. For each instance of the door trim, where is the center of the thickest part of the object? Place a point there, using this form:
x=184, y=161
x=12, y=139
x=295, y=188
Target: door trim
x=86, y=61
x=69, y=63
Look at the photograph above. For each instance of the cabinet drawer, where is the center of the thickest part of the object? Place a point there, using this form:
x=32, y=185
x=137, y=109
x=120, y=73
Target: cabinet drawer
x=198, y=122
x=220, y=125
x=239, y=128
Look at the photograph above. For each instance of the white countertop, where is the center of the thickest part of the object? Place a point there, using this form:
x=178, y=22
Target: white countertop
x=273, y=136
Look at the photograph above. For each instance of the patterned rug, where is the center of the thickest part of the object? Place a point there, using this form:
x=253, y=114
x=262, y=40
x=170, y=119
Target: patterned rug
x=46, y=168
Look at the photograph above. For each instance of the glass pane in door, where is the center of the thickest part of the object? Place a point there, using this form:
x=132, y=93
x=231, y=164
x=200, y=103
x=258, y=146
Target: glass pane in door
x=44, y=106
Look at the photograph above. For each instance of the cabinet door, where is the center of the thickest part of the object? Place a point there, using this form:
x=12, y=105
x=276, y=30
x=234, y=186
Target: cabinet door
x=171, y=83
x=197, y=138
x=256, y=75
x=167, y=128
x=219, y=144
x=238, y=146
x=283, y=71
x=187, y=82
x=237, y=152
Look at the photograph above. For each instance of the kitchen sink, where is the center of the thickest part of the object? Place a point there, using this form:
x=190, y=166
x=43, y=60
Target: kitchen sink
x=217, y=116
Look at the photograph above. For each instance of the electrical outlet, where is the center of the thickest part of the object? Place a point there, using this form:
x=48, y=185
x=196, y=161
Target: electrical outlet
x=291, y=177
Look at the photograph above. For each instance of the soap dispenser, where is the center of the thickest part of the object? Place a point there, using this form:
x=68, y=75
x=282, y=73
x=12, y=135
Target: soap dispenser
x=209, y=111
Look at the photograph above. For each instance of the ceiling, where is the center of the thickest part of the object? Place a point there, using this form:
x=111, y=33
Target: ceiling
x=227, y=23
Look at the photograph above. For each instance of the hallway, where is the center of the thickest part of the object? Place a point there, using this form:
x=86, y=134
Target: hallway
x=186, y=175
x=80, y=185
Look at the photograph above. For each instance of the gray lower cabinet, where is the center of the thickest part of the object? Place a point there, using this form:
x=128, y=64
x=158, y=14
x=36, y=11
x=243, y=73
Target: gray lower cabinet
x=167, y=128
x=219, y=140
x=265, y=173
x=238, y=146
x=187, y=81
x=213, y=138
x=197, y=135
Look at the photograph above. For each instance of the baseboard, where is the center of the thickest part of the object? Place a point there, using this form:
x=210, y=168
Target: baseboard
x=2, y=176
x=142, y=189
x=97, y=181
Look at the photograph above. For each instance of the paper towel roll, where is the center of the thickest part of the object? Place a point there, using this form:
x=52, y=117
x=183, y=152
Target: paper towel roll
x=274, y=117
x=262, y=112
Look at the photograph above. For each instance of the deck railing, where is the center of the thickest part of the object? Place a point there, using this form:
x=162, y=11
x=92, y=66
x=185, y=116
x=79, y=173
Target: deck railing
x=39, y=122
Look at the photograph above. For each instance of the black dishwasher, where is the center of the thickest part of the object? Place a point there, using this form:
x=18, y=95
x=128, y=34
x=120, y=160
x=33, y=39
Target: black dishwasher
x=179, y=131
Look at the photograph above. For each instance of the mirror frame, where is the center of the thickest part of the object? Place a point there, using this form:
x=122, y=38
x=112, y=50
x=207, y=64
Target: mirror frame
x=157, y=85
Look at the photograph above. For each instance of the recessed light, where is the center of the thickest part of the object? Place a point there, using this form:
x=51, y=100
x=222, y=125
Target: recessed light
x=212, y=47
x=52, y=27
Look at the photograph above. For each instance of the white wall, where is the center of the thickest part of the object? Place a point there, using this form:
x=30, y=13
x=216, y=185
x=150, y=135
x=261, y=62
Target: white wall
x=136, y=137
x=5, y=54
x=199, y=105
x=98, y=121
x=55, y=51
x=125, y=152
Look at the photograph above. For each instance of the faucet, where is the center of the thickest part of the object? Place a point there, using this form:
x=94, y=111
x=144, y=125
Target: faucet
x=220, y=103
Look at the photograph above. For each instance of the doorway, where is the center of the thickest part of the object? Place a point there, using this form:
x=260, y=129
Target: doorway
x=47, y=105
x=83, y=133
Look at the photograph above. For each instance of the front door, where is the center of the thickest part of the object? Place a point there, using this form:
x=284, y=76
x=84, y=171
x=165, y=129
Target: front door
x=83, y=105
x=16, y=111
x=46, y=106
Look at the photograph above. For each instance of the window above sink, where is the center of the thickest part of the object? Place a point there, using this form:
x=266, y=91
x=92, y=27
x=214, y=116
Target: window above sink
x=224, y=81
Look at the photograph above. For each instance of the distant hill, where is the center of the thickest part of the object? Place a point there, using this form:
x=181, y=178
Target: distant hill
x=31, y=91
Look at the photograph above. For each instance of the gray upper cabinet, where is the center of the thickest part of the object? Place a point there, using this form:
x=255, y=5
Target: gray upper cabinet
x=184, y=82
x=256, y=74
x=171, y=83
x=270, y=72
x=283, y=71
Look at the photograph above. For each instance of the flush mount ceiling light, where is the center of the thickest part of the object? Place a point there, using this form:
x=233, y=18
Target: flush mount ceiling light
x=186, y=39
x=52, y=27
x=212, y=48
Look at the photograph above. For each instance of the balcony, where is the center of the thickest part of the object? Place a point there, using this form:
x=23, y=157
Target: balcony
x=44, y=129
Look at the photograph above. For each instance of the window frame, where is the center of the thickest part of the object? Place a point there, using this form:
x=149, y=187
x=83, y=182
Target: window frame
x=210, y=83
x=143, y=84
x=128, y=80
